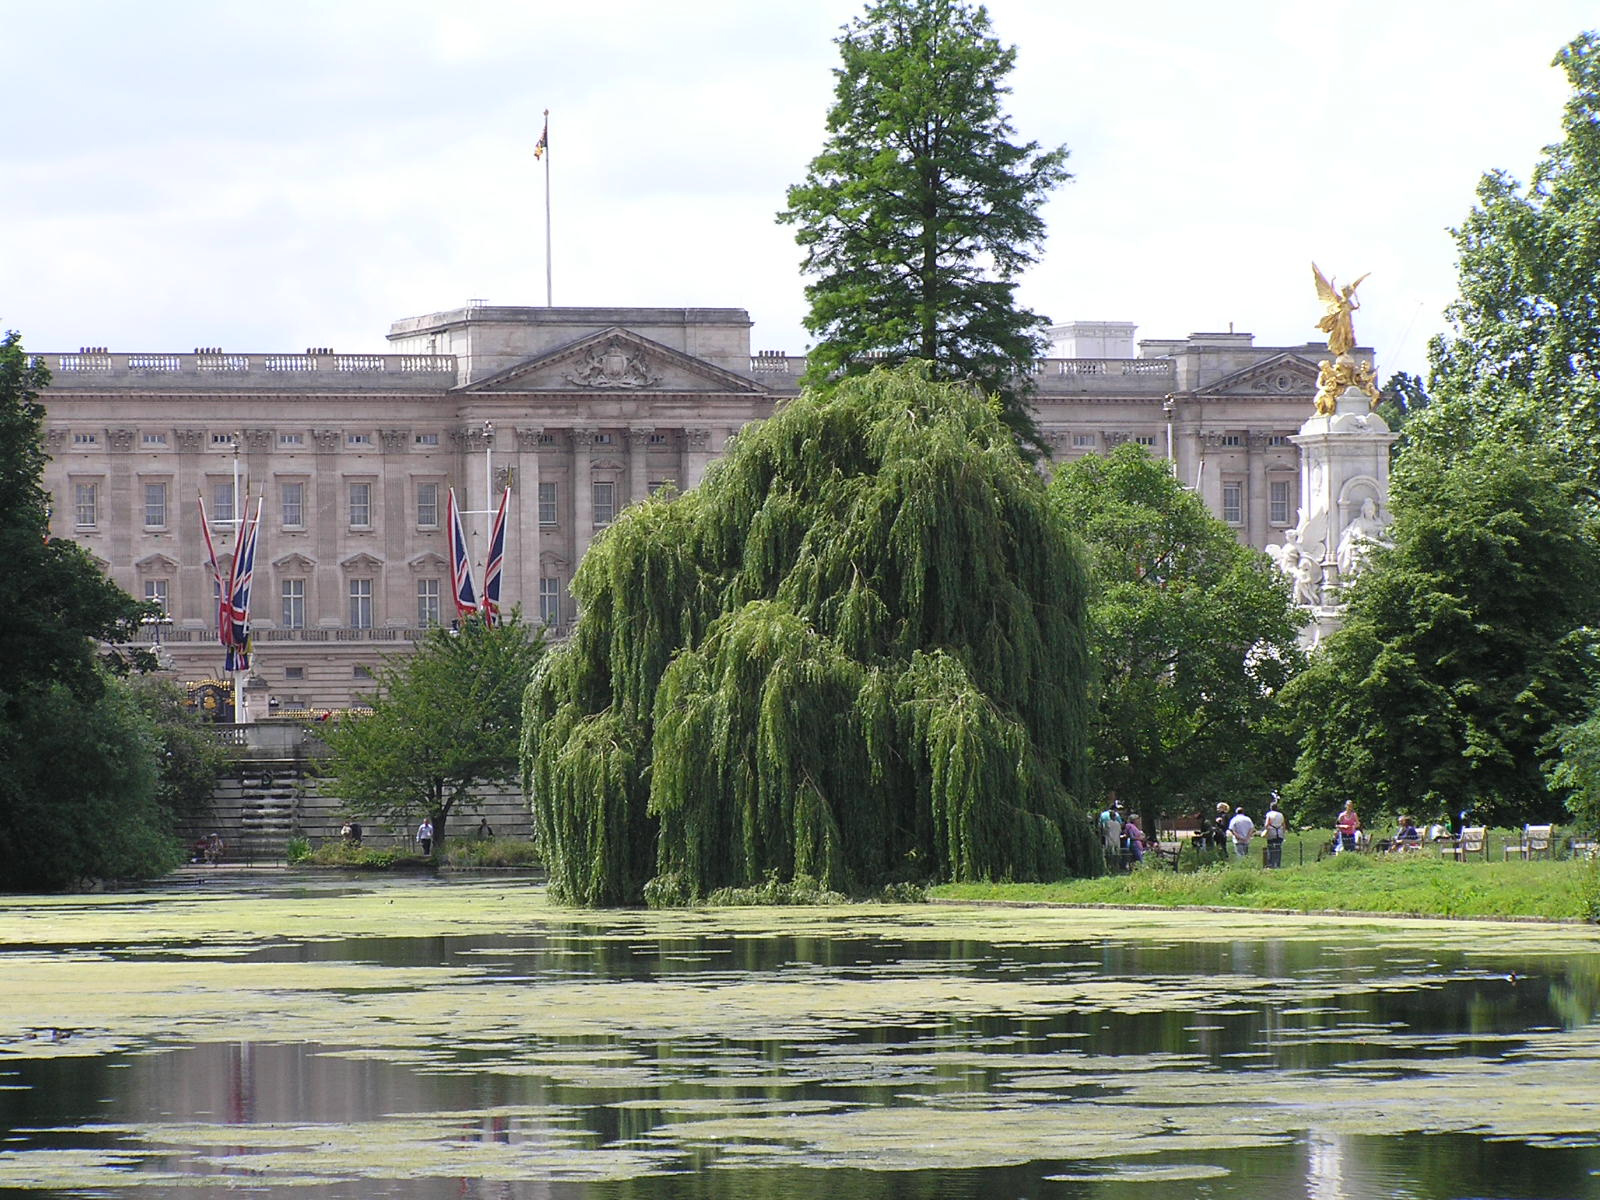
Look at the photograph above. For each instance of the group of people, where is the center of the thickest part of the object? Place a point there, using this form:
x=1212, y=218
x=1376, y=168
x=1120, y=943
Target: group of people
x=1348, y=834
x=1231, y=830
x=1122, y=834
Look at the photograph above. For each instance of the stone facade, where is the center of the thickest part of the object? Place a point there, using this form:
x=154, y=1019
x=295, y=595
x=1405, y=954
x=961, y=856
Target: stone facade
x=579, y=411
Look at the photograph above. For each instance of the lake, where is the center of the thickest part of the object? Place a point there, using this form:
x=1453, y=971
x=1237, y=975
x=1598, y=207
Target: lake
x=305, y=1036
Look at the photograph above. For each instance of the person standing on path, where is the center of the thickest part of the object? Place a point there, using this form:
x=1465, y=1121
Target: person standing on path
x=1273, y=828
x=1347, y=825
x=1239, y=831
x=425, y=837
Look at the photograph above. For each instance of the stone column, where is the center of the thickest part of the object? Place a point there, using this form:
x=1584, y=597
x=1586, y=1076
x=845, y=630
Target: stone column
x=329, y=608
x=696, y=456
x=581, y=441
x=1256, y=499
x=396, y=505
x=126, y=542
x=194, y=605
x=523, y=536
x=638, y=464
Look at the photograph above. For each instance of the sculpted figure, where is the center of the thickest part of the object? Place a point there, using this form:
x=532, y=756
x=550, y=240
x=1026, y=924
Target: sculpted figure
x=1303, y=570
x=1359, y=537
x=1339, y=304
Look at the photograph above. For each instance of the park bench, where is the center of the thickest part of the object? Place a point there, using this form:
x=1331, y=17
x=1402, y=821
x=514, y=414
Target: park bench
x=1166, y=852
x=1535, y=841
x=1474, y=839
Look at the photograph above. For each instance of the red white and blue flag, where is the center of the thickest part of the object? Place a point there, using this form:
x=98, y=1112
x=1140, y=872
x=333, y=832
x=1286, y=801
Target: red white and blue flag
x=236, y=605
x=493, y=570
x=224, y=625
x=466, y=596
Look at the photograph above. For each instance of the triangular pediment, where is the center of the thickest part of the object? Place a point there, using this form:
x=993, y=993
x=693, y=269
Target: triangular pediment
x=615, y=362
x=362, y=562
x=155, y=564
x=427, y=563
x=1285, y=375
x=295, y=564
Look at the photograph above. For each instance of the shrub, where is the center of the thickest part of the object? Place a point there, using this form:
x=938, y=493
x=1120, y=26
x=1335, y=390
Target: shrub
x=491, y=852
x=297, y=850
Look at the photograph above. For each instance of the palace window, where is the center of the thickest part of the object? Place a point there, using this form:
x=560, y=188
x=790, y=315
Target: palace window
x=1278, y=502
x=85, y=439
x=1144, y=439
x=361, y=604
x=156, y=592
x=294, y=672
x=153, y=441
x=550, y=601
x=291, y=439
x=86, y=505
x=1233, y=503
x=427, y=439
x=360, y=506
x=428, y=506
x=221, y=502
x=155, y=506
x=293, y=592
x=222, y=439
x=1083, y=441
x=292, y=504
x=1232, y=439
x=549, y=511
x=605, y=502
x=427, y=602
x=358, y=441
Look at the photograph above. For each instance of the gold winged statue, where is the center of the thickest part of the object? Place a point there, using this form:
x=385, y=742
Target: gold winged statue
x=1339, y=303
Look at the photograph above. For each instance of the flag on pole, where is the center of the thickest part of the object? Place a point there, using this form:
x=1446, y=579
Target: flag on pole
x=494, y=567
x=224, y=597
x=543, y=143
x=244, y=561
x=466, y=597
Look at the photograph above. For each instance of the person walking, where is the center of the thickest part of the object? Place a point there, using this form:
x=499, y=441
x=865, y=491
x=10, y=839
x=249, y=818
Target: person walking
x=425, y=836
x=1274, y=828
x=1111, y=830
x=1240, y=830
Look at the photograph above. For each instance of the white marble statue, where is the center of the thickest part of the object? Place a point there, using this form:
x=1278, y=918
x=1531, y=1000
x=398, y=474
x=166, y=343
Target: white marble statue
x=1302, y=568
x=1363, y=532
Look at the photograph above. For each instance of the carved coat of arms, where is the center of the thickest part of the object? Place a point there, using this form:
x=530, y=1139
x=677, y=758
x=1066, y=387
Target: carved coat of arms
x=614, y=364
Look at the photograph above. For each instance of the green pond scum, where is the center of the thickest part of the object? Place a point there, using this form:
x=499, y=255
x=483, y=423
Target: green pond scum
x=307, y=1038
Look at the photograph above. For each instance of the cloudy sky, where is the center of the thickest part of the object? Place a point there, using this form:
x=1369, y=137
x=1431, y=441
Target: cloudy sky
x=270, y=177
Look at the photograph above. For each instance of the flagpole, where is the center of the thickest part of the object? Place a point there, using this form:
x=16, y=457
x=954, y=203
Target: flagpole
x=549, y=292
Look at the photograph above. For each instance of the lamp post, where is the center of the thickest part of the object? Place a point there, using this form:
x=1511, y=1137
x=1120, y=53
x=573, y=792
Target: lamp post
x=1168, y=406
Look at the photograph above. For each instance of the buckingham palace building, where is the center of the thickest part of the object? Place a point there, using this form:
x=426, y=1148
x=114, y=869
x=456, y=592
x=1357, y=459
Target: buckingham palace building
x=579, y=411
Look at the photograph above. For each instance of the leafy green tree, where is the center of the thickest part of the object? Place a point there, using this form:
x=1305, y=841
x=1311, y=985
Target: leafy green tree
x=856, y=653
x=444, y=720
x=76, y=757
x=82, y=799
x=1193, y=636
x=1404, y=396
x=1575, y=771
x=922, y=209
x=189, y=756
x=1525, y=343
x=1466, y=648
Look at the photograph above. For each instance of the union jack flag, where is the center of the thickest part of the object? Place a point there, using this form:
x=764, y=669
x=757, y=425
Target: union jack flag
x=237, y=601
x=224, y=598
x=493, y=570
x=466, y=595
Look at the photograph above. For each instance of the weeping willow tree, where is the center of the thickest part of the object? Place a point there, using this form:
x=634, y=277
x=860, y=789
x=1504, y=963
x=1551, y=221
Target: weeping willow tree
x=856, y=653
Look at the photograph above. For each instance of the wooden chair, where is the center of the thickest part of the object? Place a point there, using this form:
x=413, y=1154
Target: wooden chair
x=1535, y=841
x=1474, y=839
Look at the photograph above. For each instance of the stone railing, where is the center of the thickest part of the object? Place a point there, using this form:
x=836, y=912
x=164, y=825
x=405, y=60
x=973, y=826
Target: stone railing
x=776, y=362
x=214, y=369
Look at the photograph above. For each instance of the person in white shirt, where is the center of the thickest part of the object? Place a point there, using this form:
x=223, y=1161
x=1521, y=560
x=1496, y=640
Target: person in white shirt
x=1240, y=830
x=1273, y=828
x=425, y=836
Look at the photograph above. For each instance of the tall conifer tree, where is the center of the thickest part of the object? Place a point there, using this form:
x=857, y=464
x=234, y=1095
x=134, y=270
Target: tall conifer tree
x=923, y=208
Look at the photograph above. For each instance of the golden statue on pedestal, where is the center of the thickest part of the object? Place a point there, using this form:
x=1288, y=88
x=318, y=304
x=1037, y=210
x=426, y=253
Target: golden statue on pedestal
x=1339, y=303
x=1343, y=372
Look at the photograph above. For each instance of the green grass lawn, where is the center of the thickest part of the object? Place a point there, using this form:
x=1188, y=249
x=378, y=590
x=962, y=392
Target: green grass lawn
x=1419, y=884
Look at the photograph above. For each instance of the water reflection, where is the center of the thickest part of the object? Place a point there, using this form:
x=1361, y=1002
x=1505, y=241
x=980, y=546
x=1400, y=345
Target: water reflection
x=863, y=1057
